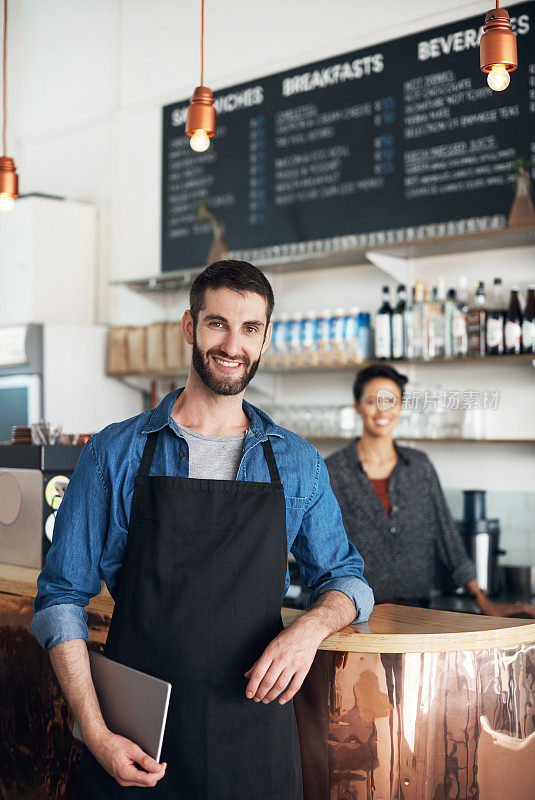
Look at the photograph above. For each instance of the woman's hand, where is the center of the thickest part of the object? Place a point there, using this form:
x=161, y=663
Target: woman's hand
x=506, y=609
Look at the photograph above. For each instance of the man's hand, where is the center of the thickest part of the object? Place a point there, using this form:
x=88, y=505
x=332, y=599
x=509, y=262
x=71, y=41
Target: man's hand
x=284, y=664
x=117, y=755
x=126, y=762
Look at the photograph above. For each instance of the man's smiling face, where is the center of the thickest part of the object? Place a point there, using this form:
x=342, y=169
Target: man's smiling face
x=230, y=336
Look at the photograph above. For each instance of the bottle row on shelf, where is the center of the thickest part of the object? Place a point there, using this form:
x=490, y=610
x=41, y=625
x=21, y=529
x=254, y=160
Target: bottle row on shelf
x=434, y=323
x=312, y=339
x=431, y=324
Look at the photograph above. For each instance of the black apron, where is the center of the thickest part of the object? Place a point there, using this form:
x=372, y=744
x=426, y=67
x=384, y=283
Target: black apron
x=199, y=599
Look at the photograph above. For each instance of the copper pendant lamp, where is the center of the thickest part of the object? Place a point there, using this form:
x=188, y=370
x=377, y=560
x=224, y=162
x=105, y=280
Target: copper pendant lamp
x=497, y=48
x=9, y=182
x=201, y=117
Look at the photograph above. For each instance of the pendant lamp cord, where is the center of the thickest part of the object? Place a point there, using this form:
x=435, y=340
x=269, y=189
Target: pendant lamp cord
x=4, y=87
x=202, y=41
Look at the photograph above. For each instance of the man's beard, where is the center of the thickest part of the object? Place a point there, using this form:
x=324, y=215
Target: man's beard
x=223, y=386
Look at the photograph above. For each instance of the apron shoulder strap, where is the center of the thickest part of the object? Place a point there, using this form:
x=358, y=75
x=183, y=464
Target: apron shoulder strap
x=272, y=464
x=148, y=453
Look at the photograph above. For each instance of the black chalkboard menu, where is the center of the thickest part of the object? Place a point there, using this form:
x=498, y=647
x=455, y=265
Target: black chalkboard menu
x=395, y=141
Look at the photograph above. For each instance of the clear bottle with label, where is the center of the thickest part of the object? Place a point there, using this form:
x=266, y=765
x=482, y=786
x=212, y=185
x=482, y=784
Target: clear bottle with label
x=419, y=322
x=398, y=332
x=280, y=339
x=460, y=340
x=408, y=328
x=383, y=328
x=364, y=335
x=496, y=320
x=296, y=348
x=528, y=323
x=351, y=335
x=337, y=334
x=513, y=324
x=435, y=321
x=309, y=337
x=324, y=335
x=476, y=323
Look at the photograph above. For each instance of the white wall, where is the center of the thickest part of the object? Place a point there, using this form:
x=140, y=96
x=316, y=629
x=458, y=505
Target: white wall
x=87, y=84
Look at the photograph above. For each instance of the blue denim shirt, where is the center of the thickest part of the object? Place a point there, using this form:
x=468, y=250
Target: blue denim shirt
x=92, y=521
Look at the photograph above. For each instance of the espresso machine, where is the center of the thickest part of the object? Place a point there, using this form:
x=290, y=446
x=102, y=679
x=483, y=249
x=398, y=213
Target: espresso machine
x=481, y=537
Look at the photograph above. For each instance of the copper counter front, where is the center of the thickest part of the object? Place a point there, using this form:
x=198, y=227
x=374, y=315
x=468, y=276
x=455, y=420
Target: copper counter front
x=414, y=705
x=419, y=726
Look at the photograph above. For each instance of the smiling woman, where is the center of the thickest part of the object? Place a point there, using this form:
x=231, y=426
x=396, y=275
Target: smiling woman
x=393, y=506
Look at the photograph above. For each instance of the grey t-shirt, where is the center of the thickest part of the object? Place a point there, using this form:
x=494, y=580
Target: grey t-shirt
x=215, y=457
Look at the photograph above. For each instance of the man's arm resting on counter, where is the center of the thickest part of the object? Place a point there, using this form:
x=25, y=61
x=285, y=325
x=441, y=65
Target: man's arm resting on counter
x=284, y=664
x=117, y=755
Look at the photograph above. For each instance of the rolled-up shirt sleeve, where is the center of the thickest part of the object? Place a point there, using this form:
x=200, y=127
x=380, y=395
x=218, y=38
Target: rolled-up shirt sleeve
x=71, y=575
x=326, y=558
x=449, y=543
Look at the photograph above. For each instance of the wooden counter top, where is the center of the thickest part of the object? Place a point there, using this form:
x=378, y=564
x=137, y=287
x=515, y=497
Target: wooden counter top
x=390, y=629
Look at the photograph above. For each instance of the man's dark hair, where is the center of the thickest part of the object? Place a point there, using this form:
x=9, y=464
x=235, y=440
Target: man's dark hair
x=378, y=371
x=240, y=276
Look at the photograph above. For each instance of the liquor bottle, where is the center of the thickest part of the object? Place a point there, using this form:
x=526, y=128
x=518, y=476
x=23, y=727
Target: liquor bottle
x=460, y=343
x=398, y=319
x=450, y=307
x=476, y=323
x=528, y=323
x=435, y=321
x=513, y=324
x=408, y=329
x=419, y=336
x=383, y=328
x=496, y=320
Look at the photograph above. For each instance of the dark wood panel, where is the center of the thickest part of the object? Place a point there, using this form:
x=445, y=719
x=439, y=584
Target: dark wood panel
x=38, y=755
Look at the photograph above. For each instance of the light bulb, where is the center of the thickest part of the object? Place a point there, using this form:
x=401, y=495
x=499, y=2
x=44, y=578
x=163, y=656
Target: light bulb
x=200, y=141
x=498, y=78
x=6, y=201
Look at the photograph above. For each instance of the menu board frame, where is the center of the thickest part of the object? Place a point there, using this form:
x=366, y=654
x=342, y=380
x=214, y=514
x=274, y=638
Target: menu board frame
x=389, y=144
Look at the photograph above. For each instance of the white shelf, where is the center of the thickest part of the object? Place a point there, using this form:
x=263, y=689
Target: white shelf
x=375, y=248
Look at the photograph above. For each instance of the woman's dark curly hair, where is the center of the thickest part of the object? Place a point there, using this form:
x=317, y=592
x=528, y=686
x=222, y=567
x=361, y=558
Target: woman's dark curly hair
x=378, y=371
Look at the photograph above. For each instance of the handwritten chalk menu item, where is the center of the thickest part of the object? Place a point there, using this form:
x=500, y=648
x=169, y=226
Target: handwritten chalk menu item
x=394, y=142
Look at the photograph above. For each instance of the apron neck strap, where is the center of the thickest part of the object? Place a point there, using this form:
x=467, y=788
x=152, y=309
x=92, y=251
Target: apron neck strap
x=272, y=464
x=152, y=440
x=148, y=453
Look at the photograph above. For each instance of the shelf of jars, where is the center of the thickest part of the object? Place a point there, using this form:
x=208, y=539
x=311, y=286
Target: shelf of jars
x=380, y=248
x=431, y=416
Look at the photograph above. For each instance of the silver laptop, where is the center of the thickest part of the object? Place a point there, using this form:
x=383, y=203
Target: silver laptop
x=133, y=704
